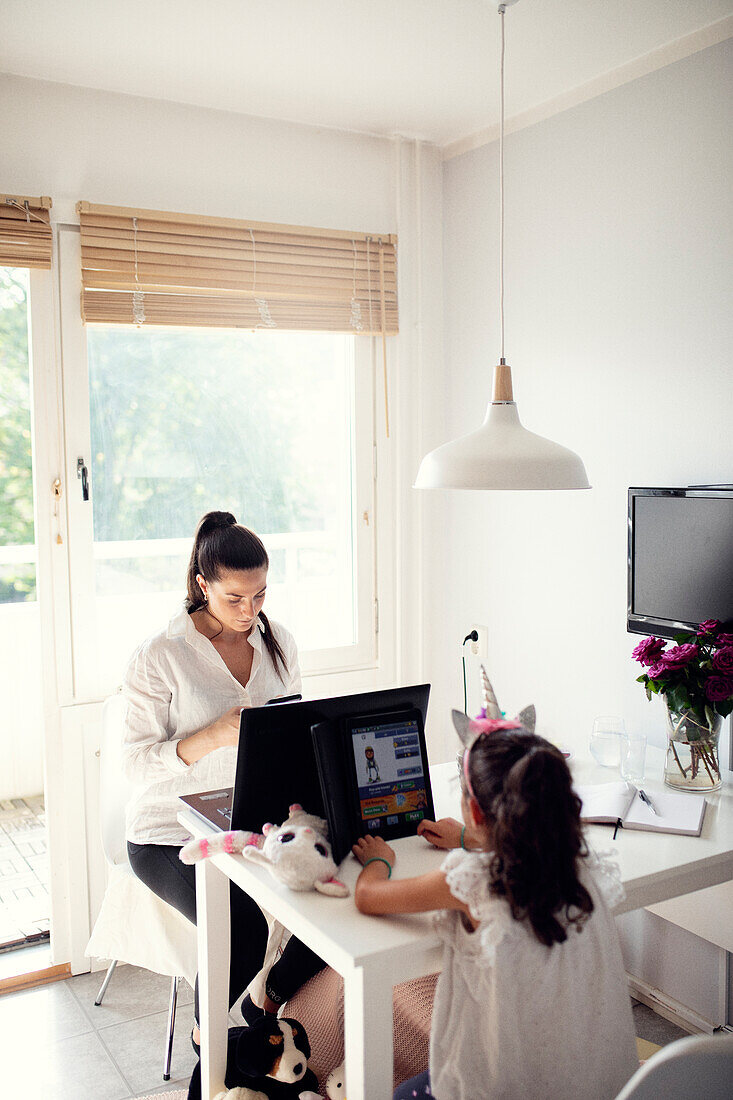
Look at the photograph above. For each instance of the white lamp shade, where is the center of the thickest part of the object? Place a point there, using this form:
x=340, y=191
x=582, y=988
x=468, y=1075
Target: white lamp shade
x=501, y=455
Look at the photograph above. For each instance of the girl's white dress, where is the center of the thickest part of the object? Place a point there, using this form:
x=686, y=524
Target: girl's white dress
x=515, y=1020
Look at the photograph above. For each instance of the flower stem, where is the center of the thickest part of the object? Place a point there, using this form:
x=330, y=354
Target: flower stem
x=679, y=762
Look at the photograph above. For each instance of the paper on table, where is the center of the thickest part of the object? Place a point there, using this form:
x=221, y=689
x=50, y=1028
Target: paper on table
x=676, y=813
x=606, y=803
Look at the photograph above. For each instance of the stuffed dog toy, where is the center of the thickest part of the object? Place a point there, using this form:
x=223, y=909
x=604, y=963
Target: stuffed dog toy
x=297, y=852
x=270, y=1062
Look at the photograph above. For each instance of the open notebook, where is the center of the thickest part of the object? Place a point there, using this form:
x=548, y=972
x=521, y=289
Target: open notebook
x=609, y=803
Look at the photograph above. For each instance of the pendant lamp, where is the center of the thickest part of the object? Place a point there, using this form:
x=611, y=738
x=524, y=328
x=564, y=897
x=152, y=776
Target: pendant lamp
x=501, y=454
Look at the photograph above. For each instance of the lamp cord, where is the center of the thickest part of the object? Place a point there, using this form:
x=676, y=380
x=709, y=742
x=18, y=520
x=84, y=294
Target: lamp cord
x=501, y=184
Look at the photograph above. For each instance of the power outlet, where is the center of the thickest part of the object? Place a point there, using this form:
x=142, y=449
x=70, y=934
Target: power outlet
x=481, y=647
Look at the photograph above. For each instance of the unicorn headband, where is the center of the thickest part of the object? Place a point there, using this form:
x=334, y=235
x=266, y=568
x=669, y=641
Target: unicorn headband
x=490, y=721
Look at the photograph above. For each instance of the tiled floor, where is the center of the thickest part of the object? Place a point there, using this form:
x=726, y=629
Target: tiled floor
x=57, y=1043
x=24, y=903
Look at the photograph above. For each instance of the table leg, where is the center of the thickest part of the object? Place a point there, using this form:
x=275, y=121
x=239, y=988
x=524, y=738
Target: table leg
x=212, y=918
x=368, y=1033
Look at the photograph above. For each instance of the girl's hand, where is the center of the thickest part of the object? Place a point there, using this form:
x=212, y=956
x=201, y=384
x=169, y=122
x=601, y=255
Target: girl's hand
x=445, y=833
x=367, y=847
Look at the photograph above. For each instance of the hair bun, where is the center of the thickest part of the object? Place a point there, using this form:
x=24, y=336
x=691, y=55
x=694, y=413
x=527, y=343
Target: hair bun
x=212, y=521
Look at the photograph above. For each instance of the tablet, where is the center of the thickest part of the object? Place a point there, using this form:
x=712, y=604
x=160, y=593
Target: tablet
x=390, y=779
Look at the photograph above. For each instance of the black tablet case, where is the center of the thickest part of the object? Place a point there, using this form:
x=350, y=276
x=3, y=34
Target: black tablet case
x=276, y=762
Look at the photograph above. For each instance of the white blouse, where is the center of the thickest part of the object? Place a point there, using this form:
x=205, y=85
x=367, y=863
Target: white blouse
x=175, y=685
x=515, y=1020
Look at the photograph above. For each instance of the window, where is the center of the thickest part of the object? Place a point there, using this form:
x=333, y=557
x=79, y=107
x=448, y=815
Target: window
x=273, y=426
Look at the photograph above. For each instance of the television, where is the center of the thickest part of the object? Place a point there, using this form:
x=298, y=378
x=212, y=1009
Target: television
x=680, y=558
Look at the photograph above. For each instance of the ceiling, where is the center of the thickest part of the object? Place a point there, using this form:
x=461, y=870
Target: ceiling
x=420, y=68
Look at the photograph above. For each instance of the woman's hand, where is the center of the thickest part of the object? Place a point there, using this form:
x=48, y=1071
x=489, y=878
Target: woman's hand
x=445, y=833
x=225, y=730
x=221, y=733
x=371, y=847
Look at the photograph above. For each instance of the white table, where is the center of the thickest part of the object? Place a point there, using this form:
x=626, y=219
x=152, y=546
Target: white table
x=374, y=953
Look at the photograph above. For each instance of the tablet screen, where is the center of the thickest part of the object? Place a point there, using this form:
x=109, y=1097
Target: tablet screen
x=390, y=772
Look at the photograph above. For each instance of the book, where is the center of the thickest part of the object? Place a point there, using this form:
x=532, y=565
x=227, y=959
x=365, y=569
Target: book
x=613, y=803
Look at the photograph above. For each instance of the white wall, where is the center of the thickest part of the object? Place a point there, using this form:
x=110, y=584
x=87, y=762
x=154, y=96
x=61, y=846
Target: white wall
x=618, y=323
x=74, y=143
x=619, y=333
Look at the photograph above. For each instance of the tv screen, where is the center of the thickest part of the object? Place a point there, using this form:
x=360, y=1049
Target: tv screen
x=680, y=559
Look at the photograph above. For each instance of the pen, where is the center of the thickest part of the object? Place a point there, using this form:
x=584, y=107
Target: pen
x=616, y=829
x=645, y=798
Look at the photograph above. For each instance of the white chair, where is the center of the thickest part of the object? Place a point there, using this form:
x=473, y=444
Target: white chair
x=701, y=1065
x=133, y=925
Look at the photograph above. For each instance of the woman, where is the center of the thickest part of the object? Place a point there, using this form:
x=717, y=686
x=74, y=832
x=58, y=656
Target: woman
x=185, y=689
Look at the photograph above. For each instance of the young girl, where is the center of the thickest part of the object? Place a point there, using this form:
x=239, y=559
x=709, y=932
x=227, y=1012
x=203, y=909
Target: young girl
x=532, y=998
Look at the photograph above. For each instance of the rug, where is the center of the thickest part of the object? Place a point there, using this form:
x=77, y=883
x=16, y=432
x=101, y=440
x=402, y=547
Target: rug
x=178, y=1095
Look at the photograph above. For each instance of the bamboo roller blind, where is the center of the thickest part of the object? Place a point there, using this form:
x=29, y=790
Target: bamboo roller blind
x=160, y=268
x=25, y=231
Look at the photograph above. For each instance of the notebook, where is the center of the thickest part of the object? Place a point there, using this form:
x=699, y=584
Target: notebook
x=610, y=803
x=213, y=807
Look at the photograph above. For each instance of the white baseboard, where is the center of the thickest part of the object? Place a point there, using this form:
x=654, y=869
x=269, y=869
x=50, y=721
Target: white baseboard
x=674, y=1011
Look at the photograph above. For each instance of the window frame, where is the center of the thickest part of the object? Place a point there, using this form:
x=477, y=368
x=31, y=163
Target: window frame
x=322, y=669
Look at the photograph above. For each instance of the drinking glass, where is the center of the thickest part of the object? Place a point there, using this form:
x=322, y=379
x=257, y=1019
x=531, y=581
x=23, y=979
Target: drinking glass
x=605, y=740
x=633, y=756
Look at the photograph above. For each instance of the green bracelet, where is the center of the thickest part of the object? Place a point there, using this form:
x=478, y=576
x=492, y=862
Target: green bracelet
x=380, y=859
x=463, y=833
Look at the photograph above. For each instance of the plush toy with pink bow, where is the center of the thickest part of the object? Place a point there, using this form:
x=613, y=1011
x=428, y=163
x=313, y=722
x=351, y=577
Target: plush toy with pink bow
x=297, y=852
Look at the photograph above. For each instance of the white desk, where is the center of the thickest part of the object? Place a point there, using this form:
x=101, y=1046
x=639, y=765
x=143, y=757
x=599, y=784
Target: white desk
x=374, y=953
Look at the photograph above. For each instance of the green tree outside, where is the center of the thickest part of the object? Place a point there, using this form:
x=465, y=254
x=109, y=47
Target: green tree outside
x=17, y=582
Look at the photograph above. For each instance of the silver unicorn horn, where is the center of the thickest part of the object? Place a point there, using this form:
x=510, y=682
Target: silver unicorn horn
x=528, y=717
x=492, y=707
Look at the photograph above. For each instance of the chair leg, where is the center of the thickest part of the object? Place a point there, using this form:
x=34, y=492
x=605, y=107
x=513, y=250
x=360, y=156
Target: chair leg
x=171, y=1025
x=105, y=983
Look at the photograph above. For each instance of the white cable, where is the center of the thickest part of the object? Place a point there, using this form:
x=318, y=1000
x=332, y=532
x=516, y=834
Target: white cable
x=501, y=185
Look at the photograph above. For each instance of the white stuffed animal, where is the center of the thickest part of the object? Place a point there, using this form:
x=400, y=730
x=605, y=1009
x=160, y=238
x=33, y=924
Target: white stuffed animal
x=297, y=852
x=335, y=1086
x=336, y=1083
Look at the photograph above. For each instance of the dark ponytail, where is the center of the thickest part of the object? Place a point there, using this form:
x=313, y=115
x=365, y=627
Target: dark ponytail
x=524, y=788
x=220, y=543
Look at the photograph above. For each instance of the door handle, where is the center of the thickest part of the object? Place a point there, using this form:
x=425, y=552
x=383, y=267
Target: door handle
x=83, y=474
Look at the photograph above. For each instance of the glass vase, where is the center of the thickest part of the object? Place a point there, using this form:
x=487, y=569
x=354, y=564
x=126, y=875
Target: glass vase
x=693, y=761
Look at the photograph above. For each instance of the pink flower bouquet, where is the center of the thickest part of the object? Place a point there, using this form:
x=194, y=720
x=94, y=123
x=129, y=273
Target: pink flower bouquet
x=695, y=677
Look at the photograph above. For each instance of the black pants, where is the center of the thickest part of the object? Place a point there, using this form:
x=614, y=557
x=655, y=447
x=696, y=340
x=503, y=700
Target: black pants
x=158, y=866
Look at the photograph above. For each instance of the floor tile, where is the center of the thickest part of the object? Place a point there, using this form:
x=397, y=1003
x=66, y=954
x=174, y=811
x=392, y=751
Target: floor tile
x=76, y=1068
x=48, y=1010
x=132, y=993
x=137, y=1048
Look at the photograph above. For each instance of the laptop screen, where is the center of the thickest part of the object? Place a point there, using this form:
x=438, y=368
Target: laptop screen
x=390, y=772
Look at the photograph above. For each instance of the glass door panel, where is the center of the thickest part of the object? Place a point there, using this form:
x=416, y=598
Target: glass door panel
x=184, y=421
x=25, y=906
